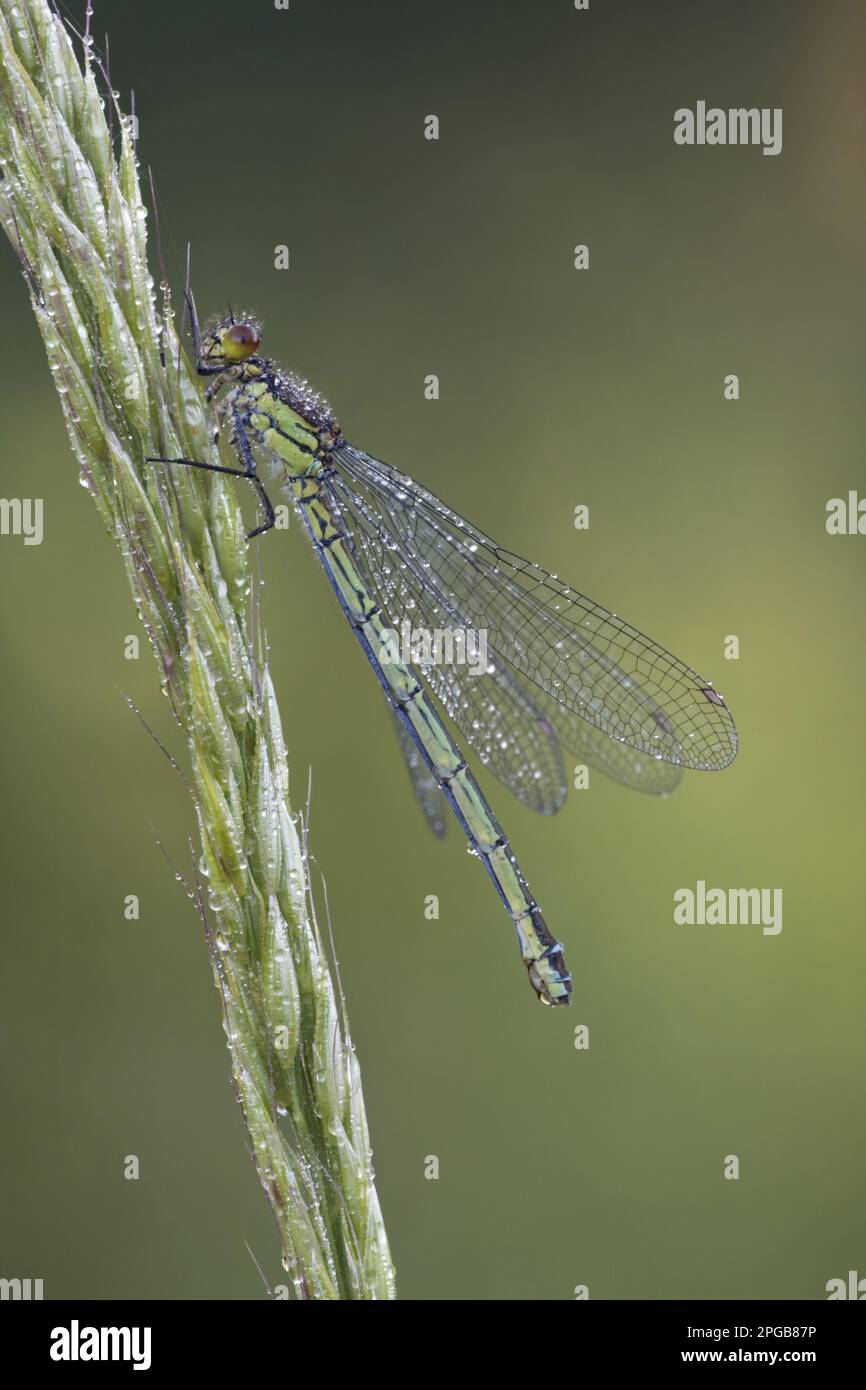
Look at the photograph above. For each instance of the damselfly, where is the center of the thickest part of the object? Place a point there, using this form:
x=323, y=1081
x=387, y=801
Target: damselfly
x=561, y=671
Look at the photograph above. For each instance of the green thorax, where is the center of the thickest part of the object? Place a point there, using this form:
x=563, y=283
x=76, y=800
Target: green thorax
x=282, y=414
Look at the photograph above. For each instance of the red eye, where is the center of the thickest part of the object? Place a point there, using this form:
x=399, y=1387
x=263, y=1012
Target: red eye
x=240, y=341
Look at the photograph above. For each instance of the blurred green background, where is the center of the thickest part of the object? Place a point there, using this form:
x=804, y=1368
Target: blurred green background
x=558, y=387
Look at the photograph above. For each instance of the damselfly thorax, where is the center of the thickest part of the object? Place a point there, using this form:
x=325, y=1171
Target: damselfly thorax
x=278, y=414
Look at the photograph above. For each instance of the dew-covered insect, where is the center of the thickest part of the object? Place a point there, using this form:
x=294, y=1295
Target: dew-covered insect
x=560, y=670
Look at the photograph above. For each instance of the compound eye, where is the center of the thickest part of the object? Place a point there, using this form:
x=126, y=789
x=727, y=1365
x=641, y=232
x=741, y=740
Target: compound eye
x=240, y=341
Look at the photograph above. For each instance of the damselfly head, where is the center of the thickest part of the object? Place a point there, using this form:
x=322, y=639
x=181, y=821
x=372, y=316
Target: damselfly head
x=232, y=340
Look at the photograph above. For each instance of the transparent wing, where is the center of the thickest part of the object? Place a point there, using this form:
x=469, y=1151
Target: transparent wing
x=496, y=715
x=426, y=787
x=585, y=661
x=517, y=736
x=640, y=771
x=502, y=723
